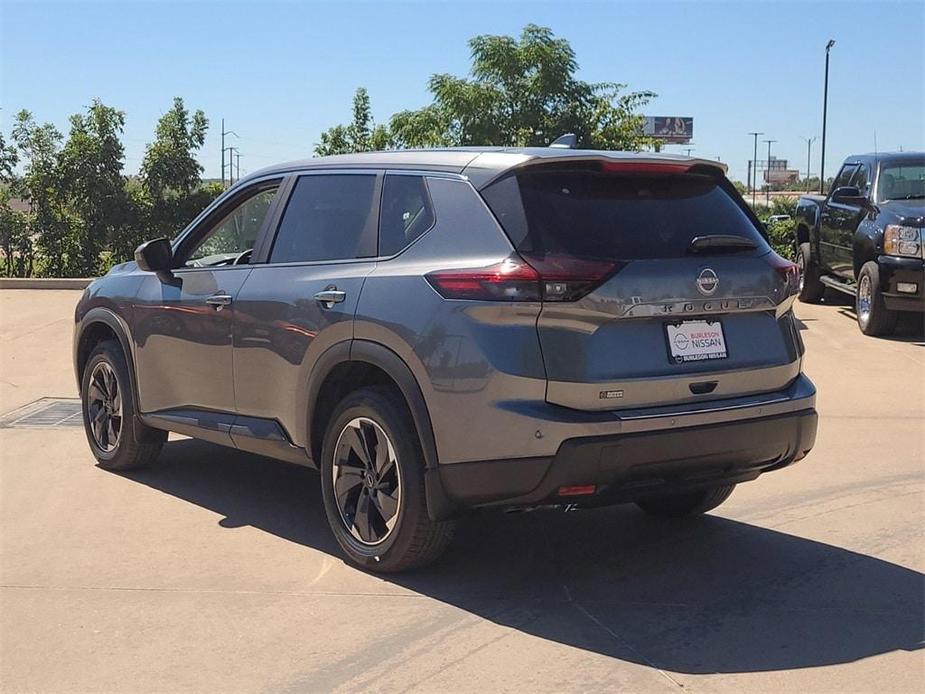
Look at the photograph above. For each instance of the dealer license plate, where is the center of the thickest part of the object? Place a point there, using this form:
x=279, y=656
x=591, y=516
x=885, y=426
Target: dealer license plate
x=696, y=340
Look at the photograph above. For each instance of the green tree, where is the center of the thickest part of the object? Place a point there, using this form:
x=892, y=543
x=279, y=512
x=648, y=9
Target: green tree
x=92, y=186
x=170, y=165
x=15, y=240
x=38, y=147
x=524, y=93
x=361, y=135
x=170, y=191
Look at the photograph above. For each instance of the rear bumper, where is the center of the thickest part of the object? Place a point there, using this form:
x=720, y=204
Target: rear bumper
x=663, y=454
x=894, y=270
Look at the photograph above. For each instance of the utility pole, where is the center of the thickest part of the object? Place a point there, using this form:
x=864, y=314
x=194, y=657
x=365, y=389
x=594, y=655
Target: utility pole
x=755, y=166
x=225, y=132
x=767, y=191
x=825, y=106
x=231, y=153
x=809, y=149
x=749, y=178
x=237, y=159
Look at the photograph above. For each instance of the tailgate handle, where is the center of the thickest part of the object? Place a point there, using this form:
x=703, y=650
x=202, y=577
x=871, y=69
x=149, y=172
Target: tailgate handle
x=703, y=387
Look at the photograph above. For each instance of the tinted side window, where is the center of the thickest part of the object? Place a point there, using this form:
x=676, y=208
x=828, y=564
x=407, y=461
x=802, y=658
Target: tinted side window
x=234, y=235
x=328, y=217
x=406, y=212
x=861, y=179
x=847, y=171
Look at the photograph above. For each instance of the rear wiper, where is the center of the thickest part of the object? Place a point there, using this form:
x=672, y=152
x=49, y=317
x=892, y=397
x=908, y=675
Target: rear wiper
x=728, y=242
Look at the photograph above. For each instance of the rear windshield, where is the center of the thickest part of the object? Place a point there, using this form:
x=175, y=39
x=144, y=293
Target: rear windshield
x=593, y=214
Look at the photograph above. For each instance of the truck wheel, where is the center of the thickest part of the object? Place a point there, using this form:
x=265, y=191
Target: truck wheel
x=811, y=289
x=874, y=318
x=116, y=440
x=687, y=504
x=372, y=482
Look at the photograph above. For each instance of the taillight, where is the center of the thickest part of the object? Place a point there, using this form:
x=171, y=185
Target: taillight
x=789, y=272
x=527, y=278
x=564, y=278
x=510, y=280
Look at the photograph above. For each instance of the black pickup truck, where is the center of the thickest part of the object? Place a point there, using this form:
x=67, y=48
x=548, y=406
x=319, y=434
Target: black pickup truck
x=867, y=238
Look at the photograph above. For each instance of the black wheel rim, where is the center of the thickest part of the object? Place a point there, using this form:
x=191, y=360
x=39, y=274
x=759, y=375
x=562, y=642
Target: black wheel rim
x=367, y=481
x=104, y=407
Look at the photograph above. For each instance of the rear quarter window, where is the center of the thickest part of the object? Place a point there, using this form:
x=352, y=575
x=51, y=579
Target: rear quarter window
x=406, y=212
x=599, y=215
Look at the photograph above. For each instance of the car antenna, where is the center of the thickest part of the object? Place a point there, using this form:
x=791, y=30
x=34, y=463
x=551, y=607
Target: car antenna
x=567, y=141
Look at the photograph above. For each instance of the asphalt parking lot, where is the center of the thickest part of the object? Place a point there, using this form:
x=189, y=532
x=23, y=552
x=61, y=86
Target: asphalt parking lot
x=215, y=570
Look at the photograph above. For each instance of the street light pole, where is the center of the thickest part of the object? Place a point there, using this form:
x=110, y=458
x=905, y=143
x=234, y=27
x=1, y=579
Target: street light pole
x=767, y=191
x=755, y=166
x=825, y=106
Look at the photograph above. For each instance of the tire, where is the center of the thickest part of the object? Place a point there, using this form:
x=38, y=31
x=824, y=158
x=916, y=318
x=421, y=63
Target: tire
x=811, y=288
x=393, y=484
x=106, y=394
x=687, y=504
x=874, y=318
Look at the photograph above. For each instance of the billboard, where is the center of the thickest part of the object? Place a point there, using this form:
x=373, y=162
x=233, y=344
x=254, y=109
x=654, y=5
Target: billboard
x=676, y=129
x=781, y=175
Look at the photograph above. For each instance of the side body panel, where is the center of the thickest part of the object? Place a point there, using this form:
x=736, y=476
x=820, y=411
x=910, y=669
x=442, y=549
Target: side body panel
x=474, y=361
x=182, y=344
x=281, y=330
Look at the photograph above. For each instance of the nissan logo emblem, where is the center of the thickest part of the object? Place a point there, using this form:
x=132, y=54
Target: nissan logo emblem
x=707, y=281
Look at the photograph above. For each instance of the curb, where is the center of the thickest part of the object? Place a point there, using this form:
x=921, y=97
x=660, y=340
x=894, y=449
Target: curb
x=50, y=283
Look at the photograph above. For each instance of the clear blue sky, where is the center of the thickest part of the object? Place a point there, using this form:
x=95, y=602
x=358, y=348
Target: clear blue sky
x=279, y=73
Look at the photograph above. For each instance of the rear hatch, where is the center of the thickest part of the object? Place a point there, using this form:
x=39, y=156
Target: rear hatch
x=657, y=285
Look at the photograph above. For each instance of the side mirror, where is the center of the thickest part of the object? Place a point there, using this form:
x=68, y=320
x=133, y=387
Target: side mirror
x=849, y=195
x=154, y=256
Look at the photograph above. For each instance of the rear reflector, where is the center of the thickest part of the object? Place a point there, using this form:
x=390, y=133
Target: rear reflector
x=528, y=278
x=577, y=490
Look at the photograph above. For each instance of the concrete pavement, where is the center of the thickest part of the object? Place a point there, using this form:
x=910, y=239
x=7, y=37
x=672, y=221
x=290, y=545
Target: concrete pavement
x=215, y=570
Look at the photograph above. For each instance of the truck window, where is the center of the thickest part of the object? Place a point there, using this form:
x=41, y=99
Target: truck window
x=861, y=179
x=844, y=176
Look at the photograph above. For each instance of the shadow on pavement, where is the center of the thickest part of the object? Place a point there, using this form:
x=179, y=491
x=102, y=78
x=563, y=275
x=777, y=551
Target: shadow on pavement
x=703, y=596
x=910, y=327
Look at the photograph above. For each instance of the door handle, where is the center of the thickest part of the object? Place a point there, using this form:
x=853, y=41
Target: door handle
x=330, y=296
x=219, y=301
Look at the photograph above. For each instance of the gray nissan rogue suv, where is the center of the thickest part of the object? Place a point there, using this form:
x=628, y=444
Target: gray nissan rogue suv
x=437, y=331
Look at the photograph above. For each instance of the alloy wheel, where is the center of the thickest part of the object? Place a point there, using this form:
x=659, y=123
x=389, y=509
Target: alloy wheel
x=104, y=407
x=367, y=481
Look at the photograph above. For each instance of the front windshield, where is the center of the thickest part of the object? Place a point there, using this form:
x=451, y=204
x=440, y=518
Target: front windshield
x=901, y=182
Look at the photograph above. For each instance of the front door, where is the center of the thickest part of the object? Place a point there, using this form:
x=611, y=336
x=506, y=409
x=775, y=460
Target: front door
x=183, y=321
x=836, y=220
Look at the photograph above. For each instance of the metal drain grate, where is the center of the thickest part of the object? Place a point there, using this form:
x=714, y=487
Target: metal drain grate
x=46, y=413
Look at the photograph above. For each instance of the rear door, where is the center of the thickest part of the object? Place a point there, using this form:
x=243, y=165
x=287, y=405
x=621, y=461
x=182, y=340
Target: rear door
x=632, y=314
x=301, y=295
